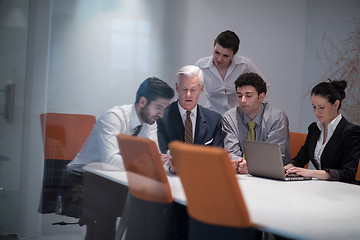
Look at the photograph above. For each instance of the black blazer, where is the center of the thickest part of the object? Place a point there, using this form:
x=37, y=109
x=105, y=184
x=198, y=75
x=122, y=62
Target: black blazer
x=207, y=128
x=341, y=154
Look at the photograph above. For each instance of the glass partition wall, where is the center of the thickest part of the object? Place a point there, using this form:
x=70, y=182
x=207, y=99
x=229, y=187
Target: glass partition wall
x=13, y=42
x=79, y=57
x=85, y=56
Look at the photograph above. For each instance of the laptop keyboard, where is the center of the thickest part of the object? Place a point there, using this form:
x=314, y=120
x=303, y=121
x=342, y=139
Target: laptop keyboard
x=295, y=177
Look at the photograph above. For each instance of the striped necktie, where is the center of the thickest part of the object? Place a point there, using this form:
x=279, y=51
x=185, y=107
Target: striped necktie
x=188, y=128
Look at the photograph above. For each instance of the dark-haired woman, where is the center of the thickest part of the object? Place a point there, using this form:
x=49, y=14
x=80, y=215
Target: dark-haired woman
x=333, y=143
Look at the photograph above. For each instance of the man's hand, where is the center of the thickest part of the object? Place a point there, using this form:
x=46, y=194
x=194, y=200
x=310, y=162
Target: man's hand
x=242, y=166
x=165, y=158
x=172, y=167
x=235, y=163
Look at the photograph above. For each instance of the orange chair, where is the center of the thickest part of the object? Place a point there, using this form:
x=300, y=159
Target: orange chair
x=150, y=203
x=214, y=200
x=297, y=140
x=63, y=136
x=357, y=176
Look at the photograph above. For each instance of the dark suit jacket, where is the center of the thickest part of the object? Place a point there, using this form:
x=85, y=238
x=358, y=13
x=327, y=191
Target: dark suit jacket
x=207, y=128
x=341, y=154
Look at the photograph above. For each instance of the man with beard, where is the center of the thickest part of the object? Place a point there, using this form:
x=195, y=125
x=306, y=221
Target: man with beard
x=138, y=119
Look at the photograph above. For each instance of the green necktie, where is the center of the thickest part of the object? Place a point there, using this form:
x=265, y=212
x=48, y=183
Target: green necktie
x=251, y=133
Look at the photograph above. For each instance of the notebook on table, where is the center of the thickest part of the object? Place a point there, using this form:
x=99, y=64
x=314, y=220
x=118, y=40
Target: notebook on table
x=265, y=160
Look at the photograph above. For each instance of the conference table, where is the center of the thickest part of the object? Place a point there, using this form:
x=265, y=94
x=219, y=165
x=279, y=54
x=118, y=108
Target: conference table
x=296, y=209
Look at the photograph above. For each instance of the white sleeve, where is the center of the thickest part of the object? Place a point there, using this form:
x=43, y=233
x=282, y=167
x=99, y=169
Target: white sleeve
x=110, y=126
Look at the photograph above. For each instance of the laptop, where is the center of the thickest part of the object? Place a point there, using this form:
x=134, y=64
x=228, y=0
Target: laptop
x=264, y=160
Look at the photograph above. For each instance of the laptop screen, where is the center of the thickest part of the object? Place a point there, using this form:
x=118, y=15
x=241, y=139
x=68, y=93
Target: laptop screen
x=265, y=160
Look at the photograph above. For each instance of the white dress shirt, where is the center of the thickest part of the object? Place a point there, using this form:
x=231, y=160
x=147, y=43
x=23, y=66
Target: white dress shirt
x=102, y=144
x=330, y=131
x=220, y=95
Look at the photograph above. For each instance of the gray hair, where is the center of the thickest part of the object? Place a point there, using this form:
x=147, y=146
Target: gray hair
x=190, y=71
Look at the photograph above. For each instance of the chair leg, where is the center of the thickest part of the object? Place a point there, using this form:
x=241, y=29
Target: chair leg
x=123, y=220
x=266, y=236
x=90, y=231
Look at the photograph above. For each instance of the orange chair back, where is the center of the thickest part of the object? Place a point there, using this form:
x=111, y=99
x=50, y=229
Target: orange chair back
x=297, y=140
x=147, y=179
x=212, y=191
x=357, y=176
x=64, y=134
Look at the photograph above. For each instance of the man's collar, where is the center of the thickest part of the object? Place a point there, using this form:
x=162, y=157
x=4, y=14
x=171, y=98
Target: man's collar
x=209, y=63
x=234, y=61
x=183, y=111
x=134, y=118
x=257, y=119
